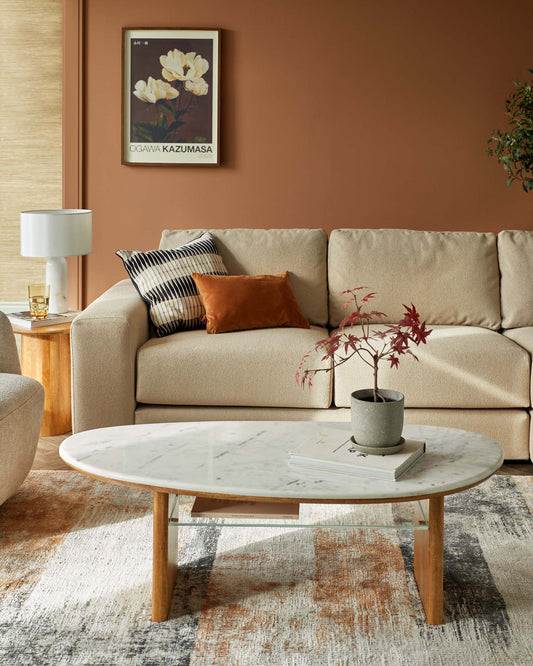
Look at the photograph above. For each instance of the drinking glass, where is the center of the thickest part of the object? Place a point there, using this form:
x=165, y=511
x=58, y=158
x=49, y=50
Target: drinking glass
x=39, y=297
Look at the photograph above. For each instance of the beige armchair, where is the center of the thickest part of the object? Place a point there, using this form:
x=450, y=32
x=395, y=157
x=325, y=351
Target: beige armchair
x=21, y=413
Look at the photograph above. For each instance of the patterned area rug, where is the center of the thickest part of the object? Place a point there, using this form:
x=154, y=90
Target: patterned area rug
x=75, y=581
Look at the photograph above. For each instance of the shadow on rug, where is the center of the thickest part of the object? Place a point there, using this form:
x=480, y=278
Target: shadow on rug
x=75, y=580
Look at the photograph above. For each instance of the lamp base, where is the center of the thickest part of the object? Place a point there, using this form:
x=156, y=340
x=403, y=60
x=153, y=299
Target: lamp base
x=57, y=278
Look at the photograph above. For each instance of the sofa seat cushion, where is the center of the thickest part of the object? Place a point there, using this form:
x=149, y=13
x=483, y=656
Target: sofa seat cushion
x=460, y=366
x=524, y=337
x=249, y=368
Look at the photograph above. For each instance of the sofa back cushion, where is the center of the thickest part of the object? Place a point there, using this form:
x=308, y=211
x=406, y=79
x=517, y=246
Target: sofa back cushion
x=302, y=252
x=515, y=254
x=451, y=277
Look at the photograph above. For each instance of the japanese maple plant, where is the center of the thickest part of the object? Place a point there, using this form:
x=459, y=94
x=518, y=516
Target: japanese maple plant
x=355, y=338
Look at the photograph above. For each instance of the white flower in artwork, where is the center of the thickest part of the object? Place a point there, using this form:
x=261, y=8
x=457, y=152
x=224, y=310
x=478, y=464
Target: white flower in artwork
x=197, y=87
x=183, y=66
x=153, y=90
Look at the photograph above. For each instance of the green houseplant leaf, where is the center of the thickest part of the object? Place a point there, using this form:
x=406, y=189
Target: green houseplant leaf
x=514, y=148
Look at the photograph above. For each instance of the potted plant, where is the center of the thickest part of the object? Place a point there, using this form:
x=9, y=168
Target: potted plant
x=514, y=149
x=377, y=414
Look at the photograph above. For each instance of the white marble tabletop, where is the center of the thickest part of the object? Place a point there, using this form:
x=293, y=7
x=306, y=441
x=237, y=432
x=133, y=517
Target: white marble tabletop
x=250, y=459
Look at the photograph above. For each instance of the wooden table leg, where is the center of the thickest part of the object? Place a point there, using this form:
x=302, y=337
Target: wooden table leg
x=46, y=358
x=429, y=558
x=165, y=562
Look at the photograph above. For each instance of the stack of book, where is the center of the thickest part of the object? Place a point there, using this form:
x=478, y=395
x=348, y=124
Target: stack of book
x=343, y=458
x=24, y=320
x=205, y=507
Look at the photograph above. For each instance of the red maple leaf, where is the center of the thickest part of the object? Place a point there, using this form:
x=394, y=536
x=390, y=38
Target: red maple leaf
x=389, y=342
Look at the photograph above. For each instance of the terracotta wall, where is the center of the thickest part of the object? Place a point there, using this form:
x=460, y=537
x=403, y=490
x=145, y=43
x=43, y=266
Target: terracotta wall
x=334, y=114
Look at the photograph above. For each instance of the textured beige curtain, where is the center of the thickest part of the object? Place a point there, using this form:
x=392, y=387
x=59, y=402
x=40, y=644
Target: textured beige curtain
x=30, y=129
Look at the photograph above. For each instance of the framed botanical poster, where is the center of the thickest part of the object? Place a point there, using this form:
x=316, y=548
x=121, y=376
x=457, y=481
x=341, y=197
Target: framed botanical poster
x=170, y=96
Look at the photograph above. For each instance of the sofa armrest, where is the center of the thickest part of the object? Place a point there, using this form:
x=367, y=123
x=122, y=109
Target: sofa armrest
x=104, y=341
x=9, y=358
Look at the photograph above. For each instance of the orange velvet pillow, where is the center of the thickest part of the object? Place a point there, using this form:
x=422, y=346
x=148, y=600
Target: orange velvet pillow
x=238, y=302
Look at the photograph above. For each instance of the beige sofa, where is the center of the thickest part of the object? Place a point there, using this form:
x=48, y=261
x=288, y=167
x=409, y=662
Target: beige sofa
x=473, y=289
x=21, y=413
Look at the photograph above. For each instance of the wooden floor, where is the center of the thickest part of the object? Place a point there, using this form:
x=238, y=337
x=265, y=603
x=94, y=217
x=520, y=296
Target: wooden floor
x=47, y=457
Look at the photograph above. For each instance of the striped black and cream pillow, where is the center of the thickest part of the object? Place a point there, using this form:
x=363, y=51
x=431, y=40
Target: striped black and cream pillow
x=163, y=280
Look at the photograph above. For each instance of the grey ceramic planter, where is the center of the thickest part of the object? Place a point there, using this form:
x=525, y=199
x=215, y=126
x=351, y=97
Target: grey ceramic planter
x=377, y=424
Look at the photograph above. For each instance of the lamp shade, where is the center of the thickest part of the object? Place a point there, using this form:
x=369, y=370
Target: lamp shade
x=55, y=233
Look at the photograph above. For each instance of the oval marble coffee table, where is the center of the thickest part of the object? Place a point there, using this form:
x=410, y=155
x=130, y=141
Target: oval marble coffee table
x=248, y=461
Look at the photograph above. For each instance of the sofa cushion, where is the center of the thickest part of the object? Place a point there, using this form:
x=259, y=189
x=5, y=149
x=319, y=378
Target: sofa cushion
x=163, y=279
x=451, y=277
x=302, y=252
x=249, y=368
x=524, y=337
x=240, y=302
x=515, y=254
x=460, y=366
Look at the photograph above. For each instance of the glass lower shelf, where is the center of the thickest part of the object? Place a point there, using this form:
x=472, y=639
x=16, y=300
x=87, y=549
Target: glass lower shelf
x=396, y=516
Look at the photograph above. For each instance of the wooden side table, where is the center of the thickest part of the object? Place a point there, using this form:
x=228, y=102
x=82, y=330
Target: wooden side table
x=45, y=356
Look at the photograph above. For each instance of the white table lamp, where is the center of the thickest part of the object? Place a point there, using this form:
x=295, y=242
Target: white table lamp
x=56, y=234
